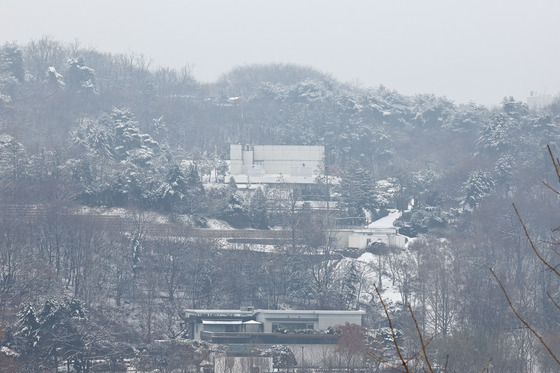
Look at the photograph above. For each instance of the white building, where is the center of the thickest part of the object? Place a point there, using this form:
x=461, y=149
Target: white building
x=268, y=326
x=276, y=163
x=361, y=238
x=273, y=320
x=310, y=334
x=380, y=231
x=538, y=101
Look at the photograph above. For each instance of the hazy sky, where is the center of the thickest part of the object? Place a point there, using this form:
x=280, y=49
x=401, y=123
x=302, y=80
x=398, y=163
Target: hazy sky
x=479, y=50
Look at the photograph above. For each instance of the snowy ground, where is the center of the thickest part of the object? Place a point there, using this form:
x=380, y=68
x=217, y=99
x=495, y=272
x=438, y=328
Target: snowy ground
x=386, y=222
x=217, y=224
x=372, y=264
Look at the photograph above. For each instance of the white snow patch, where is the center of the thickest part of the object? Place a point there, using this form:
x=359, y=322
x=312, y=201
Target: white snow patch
x=387, y=221
x=373, y=264
x=217, y=224
x=252, y=247
x=8, y=352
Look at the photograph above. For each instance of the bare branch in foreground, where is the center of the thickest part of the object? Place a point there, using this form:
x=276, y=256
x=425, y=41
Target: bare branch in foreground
x=551, y=188
x=552, y=299
x=555, y=162
x=546, y=263
x=424, y=345
x=403, y=362
x=487, y=367
x=523, y=320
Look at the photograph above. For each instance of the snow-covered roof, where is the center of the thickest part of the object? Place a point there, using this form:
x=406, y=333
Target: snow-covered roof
x=238, y=313
x=312, y=312
x=218, y=312
x=222, y=322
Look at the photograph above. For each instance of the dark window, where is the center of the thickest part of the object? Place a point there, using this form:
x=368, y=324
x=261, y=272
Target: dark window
x=290, y=326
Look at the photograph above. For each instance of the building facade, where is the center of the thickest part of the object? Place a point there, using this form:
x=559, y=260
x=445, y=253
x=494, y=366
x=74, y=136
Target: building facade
x=362, y=238
x=268, y=326
x=272, y=161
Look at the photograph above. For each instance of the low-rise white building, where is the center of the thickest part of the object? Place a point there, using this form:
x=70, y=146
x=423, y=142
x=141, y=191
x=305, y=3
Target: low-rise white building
x=362, y=238
x=273, y=320
x=380, y=231
x=311, y=335
x=268, y=326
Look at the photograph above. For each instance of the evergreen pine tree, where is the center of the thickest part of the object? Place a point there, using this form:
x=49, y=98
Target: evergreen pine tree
x=258, y=210
x=358, y=192
x=477, y=186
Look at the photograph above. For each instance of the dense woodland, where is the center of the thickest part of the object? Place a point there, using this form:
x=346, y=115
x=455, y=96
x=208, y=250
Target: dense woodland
x=84, y=132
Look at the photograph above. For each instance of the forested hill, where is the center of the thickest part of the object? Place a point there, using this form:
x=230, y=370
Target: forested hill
x=80, y=111
x=82, y=130
x=48, y=89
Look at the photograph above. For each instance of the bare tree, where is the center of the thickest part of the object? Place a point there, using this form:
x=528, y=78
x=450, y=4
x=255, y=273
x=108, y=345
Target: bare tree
x=546, y=262
x=352, y=345
x=405, y=363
